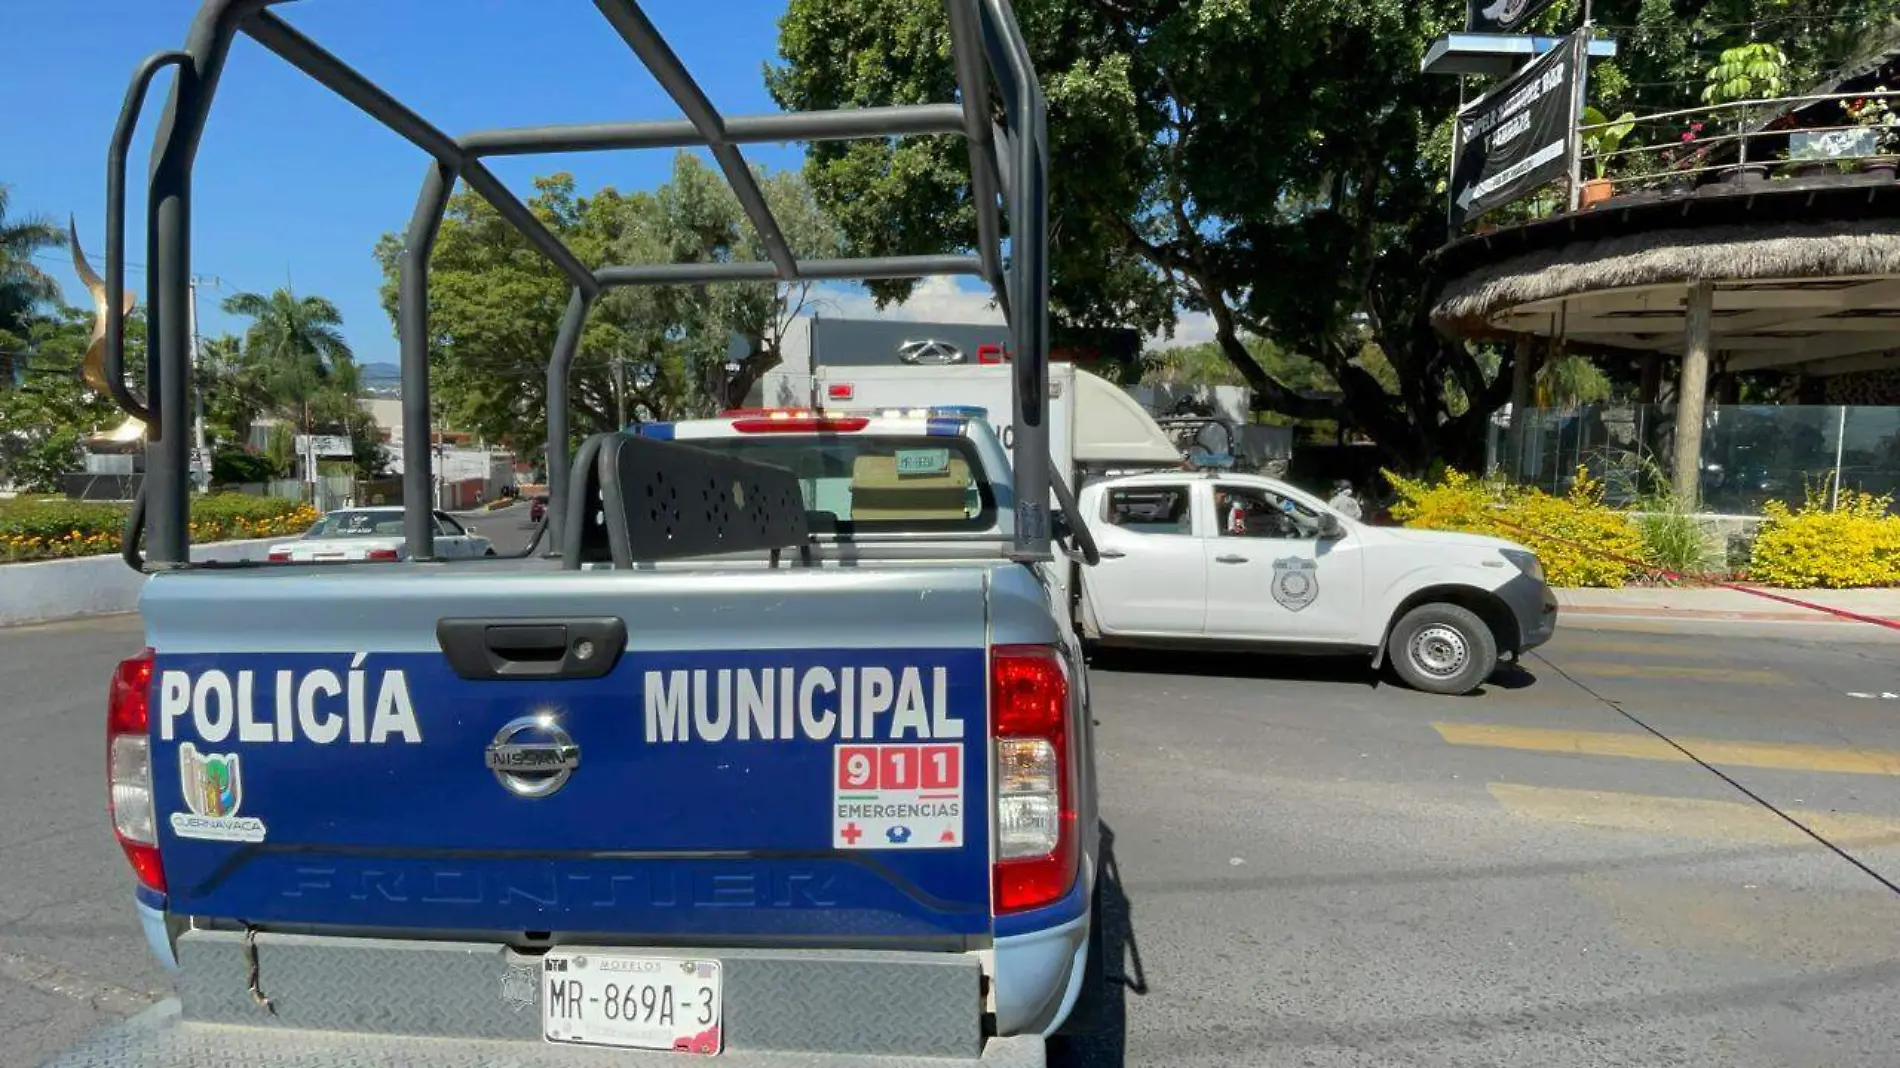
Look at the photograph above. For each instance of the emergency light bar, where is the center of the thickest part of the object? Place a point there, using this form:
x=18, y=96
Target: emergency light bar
x=935, y=411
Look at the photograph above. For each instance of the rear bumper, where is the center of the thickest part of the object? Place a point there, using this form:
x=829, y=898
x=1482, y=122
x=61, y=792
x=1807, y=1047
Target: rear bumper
x=164, y=1037
x=448, y=1002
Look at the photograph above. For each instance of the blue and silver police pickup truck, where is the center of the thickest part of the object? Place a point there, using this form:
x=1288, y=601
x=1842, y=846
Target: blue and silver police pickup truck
x=776, y=748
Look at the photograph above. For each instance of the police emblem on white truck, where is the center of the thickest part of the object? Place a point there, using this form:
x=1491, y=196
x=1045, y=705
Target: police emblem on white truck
x=1295, y=582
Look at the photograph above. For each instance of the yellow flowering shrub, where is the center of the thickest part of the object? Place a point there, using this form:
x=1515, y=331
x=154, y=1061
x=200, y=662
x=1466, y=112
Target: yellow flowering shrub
x=56, y=529
x=1578, y=537
x=1856, y=544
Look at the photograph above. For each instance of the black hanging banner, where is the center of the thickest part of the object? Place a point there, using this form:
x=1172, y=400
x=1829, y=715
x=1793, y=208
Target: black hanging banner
x=1501, y=16
x=1517, y=137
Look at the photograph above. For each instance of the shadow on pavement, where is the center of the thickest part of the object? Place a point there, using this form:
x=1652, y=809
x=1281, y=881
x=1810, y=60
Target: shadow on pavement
x=1280, y=667
x=1254, y=664
x=1511, y=676
x=1096, y=1035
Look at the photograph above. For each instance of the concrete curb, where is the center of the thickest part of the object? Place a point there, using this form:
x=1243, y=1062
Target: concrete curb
x=1686, y=603
x=52, y=590
x=1642, y=612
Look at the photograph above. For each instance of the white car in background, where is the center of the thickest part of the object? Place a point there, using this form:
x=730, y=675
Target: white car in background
x=375, y=534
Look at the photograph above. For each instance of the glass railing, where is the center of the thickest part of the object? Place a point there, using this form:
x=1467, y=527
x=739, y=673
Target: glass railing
x=1751, y=454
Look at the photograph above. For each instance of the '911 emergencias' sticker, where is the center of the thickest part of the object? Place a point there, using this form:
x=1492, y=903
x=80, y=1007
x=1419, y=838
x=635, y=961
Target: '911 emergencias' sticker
x=897, y=797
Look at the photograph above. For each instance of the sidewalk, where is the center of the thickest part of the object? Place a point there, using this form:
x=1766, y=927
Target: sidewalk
x=1686, y=603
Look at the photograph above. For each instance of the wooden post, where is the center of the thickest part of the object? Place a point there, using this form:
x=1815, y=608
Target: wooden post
x=1692, y=390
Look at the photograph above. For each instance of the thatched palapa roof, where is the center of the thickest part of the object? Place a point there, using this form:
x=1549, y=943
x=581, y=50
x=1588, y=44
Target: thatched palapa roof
x=1729, y=253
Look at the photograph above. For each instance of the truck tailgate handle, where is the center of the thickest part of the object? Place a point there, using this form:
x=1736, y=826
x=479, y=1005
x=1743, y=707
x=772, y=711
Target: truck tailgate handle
x=532, y=648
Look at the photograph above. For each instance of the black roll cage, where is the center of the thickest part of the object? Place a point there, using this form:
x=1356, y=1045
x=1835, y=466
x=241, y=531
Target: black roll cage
x=1009, y=183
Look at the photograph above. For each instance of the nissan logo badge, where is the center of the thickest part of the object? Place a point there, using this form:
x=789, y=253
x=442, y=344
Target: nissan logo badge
x=532, y=756
x=931, y=353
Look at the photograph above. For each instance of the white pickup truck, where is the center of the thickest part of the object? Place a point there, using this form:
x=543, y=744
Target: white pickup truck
x=1229, y=559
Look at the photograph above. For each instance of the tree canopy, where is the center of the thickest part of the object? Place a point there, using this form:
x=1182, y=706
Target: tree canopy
x=46, y=417
x=1277, y=165
x=496, y=304
x=24, y=286
x=294, y=352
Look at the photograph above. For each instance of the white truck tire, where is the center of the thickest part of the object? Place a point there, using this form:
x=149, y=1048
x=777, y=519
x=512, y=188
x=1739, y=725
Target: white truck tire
x=1442, y=648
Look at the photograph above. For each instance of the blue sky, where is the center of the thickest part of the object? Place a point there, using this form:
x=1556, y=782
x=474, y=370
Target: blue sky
x=294, y=186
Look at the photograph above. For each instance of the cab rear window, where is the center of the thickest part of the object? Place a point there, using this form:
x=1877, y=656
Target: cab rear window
x=1150, y=509
x=870, y=484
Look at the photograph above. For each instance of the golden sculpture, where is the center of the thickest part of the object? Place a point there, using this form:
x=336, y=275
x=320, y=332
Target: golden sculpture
x=93, y=370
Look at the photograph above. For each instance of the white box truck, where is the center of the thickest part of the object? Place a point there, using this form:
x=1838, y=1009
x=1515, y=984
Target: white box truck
x=1094, y=426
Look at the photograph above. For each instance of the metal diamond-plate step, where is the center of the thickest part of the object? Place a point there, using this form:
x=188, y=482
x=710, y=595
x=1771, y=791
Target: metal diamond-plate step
x=791, y=1001
x=157, y=1038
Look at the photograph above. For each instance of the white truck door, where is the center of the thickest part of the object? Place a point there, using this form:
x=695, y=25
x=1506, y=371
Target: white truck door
x=1271, y=577
x=1153, y=575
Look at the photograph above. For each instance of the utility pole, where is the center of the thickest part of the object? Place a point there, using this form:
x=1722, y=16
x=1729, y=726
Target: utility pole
x=201, y=470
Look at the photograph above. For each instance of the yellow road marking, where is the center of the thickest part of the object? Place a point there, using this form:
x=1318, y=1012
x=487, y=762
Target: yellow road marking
x=1604, y=670
x=1791, y=756
x=1683, y=817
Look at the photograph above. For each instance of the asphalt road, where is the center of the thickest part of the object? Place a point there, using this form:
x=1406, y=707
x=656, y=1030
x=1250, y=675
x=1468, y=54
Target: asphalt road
x=507, y=528
x=1311, y=868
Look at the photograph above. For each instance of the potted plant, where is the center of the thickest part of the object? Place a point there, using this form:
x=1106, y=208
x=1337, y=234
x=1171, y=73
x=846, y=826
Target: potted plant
x=1601, y=138
x=1744, y=76
x=1875, y=114
x=1684, y=161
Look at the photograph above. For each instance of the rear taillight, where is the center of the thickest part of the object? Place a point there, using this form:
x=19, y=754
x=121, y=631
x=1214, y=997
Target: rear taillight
x=129, y=768
x=277, y=557
x=382, y=554
x=802, y=424
x=1035, y=787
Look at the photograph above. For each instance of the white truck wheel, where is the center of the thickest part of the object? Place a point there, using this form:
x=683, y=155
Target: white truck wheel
x=1442, y=648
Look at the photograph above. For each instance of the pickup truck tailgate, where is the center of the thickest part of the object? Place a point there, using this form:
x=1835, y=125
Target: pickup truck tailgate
x=772, y=753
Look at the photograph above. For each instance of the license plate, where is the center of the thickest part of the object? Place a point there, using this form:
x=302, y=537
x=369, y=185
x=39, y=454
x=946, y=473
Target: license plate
x=613, y=999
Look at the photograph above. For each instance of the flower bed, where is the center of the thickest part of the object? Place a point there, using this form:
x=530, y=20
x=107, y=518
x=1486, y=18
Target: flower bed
x=1582, y=536
x=1853, y=545
x=1584, y=542
x=37, y=529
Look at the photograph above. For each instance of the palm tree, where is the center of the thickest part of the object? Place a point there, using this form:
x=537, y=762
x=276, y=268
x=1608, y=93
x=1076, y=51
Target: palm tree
x=23, y=287
x=295, y=347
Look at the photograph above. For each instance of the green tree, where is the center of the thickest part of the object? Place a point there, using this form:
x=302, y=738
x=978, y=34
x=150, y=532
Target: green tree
x=1213, y=156
x=1570, y=381
x=495, y=305
x=652, y=352
x=24, y=287
x=701, y=221
x=1280, y=166
x=1207, y=364
x=47, y=419
x=234, y=390
x=294, y=352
